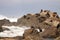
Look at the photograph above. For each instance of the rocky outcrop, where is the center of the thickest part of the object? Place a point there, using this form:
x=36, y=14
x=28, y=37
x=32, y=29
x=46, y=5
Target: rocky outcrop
x=45, y=24
x=1, y=23
x=49, y=14
x=50, y=32
x=52, y=21
x=8, y=23
x=32, y=34
x=37, y=19
x=46, y=21
x=31, y=20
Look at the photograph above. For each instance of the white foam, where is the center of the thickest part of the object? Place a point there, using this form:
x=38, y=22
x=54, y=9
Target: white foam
x=12, y=19
x=14, y=31
x=3, y=17
x=38, y=30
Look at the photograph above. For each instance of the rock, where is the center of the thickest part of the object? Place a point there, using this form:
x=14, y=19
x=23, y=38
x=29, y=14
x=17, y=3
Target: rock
x=29, y=20
x=50, y=32
x=1, y=23
x=52, y=21
x=58, y=38
x=10, y=38
x=33, y=37
x=1, y=29
x=46, y=19
x=32, y=34
x=35, y=19
x=8, y=23
x=49, y=14
x=58, y=27
x=44, y=13
x=27, y=32
x=45, y=24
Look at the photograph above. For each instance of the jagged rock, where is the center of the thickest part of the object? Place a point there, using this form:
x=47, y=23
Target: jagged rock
x=58, y=27
x=1, y=23
x=49, y=13
x=31, y=34
x=8, y=23
x=58, y=38
x=35, y=19
x=44, y=13
x=50, y=32
x=46, y=19
x=29, y=20
x=28, y=32
x=33, y=37
x=52, y=21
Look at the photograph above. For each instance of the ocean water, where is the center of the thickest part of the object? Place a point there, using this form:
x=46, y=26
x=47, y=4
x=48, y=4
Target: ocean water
x=13, y=31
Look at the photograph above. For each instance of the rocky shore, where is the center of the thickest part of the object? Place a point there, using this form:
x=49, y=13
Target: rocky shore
x=43, y=26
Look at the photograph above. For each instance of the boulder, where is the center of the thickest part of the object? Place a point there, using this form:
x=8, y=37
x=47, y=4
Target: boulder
x=31, y=34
